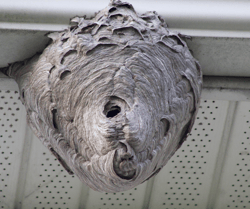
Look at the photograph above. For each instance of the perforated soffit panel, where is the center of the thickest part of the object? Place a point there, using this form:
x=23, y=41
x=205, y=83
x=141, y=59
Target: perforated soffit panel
x=210, y=170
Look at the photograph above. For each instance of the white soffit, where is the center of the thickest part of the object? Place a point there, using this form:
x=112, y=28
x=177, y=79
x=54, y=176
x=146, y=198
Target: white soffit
x=209, y=171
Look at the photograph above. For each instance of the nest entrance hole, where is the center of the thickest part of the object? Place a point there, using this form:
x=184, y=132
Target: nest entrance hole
x=113, y=111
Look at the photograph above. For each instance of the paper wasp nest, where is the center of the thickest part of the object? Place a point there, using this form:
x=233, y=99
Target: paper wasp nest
x=112, y=97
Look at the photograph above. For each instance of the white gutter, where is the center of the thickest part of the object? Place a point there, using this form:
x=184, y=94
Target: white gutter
x=189, y=14
x=220, y=29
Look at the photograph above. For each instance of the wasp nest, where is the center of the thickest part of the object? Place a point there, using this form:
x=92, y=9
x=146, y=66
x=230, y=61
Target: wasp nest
x=112, y=97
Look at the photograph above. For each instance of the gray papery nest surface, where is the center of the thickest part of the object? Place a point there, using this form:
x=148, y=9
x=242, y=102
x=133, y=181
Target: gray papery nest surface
x=112, y=97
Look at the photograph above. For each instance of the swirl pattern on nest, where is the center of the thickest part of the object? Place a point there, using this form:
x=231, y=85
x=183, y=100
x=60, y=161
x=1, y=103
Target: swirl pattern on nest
x=112, y=97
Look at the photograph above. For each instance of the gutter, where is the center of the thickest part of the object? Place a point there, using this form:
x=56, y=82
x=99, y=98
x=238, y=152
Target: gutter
x=220, y=30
